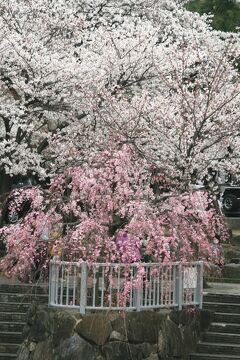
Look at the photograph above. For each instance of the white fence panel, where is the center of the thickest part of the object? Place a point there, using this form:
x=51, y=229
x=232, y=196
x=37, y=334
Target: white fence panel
x=138, y=286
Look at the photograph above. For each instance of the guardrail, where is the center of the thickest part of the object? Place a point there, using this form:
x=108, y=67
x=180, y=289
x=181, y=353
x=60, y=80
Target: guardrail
x=137, y=286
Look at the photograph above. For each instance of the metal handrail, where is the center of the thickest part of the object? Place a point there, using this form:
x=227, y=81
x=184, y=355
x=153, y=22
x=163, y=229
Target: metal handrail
x=120, y=286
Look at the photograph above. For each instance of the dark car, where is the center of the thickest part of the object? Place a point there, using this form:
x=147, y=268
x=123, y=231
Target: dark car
x=230, y=200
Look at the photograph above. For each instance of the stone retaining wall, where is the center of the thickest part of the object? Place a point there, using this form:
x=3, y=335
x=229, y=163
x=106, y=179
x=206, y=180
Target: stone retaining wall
x=53, y=334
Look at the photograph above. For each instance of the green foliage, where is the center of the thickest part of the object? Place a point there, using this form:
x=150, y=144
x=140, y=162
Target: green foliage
x=226, y=12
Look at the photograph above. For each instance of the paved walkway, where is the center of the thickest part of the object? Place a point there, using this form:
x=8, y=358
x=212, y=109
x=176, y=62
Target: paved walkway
x=223, y=288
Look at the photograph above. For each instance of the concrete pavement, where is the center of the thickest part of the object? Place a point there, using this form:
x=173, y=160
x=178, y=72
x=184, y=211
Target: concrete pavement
x=223, y=288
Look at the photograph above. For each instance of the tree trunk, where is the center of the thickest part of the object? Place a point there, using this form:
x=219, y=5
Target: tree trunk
x=5, y=183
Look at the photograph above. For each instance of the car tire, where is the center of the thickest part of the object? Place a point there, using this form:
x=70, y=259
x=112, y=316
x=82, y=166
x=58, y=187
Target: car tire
x=230, y=202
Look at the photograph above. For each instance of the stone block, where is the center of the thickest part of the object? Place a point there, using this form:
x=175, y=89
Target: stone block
x=43, y=350
x=63, y=326
x=170, y=342
x=41, y=326
x=183, y=317
x=75, y=348
x=116, y=350
x=139, y=327
x=119, y=350
x=23, y=353
x=95, y=328
x=205, y=318
x=152, y=357
x=140, y=351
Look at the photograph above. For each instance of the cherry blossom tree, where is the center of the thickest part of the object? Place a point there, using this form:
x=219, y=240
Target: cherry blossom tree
x=75, y=74
x=108, y=210
x=55, y=58
x=124, y=105
x=190, y=123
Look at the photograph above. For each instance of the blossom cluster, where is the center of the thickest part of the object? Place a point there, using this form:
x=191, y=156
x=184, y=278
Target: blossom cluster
x=108, y=210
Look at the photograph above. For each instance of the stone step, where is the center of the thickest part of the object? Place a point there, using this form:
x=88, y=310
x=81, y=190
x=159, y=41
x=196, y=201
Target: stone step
x=226, y=318
x=11, y=326
x=222, y=298
x=6, y=356
x=9, y=348
x=11, y=337
x=24, y=289
x=222, y=307
x=14, y=307
x=196, y=356
x=217, y=348
x=225, y=328
x=12, y=316
x=15, y=301
x=23, y=298
x=215, y=337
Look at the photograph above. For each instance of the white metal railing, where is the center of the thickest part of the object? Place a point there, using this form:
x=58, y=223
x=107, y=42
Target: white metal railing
x=137, y=286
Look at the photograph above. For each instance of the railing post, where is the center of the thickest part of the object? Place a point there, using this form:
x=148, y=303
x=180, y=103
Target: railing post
x=175, y=284
x=180, y=287
x=138, y=298
x=53, y=282
x=83, y=290
x=199, y=297
x=50, y=284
